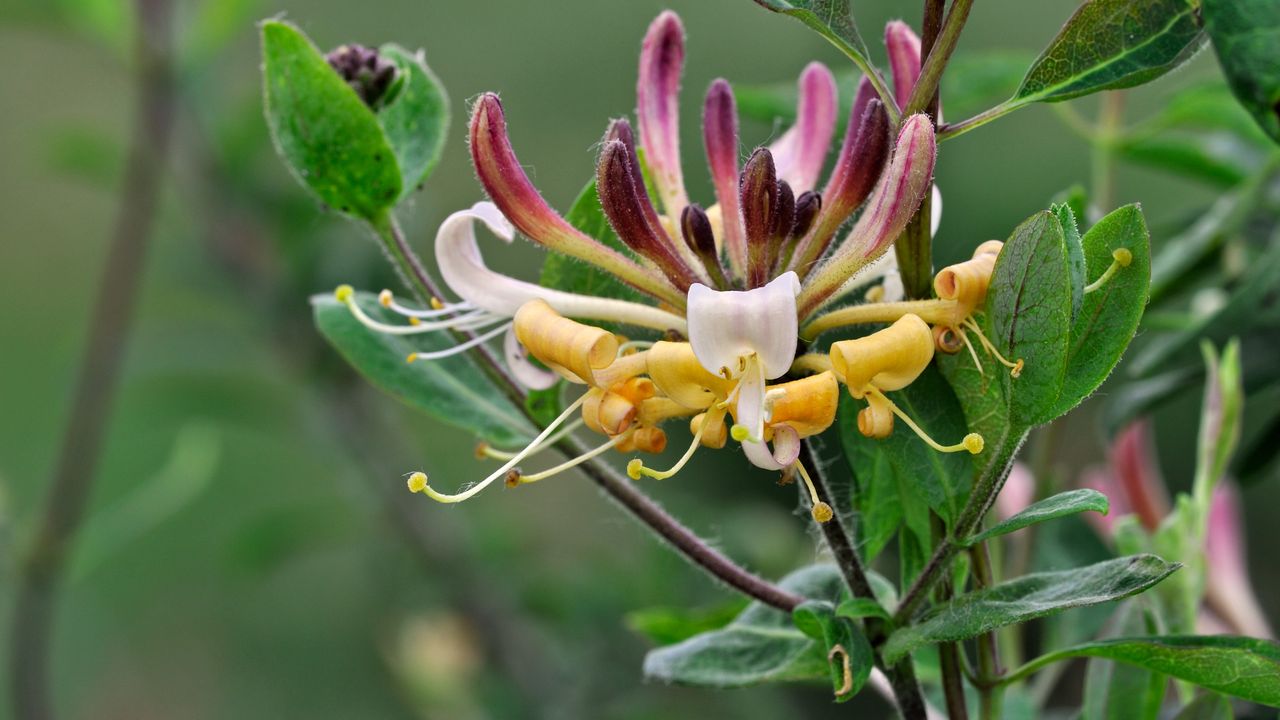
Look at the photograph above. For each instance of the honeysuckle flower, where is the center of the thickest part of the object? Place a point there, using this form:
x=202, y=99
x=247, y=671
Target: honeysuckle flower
x=884, y=361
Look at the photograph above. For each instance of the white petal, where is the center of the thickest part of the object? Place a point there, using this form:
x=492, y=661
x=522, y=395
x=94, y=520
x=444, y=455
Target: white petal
x=725, y=326
x=463, y=268
x=526, y=373
x=935, y=207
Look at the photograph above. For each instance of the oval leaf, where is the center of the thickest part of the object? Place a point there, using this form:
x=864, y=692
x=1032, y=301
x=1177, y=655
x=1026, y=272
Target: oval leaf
x=417, y=120
x=832, y=19
x=453, y=390
x=328, y=137
x=1060, y=505
x=1029, y=597
x=1112, y=44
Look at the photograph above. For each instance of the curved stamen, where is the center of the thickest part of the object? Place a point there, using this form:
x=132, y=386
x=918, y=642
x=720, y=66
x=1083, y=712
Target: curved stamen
x=570, y=464
x=821, y=512
x=636, y=468
x=456, y=349
x=973, y=442
x=1120, y=259
x=1015, y=368
x=468, y=320
x=387, y=300
x=418, y=481
x=484, y=450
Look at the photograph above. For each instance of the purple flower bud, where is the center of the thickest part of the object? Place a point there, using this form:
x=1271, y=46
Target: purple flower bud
x=1134, y=463
x=904, y=59
x=801, y=152
x=784, y=218
x=807, y=207
x=620, y=130
x=657, y=108
x=896, y=199
x=720, y=134
x=759, y=208
x=623, y=204
x=505, y=181
x=696, y=228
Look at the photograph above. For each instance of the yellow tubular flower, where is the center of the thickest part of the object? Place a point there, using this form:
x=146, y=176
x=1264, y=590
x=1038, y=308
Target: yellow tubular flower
x=807, y=405
x=564, y=344
x=889, y=360
x=678, y=375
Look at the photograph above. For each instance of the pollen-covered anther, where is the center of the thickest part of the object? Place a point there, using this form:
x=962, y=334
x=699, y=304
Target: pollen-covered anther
x=513, y=478
x=384, y=298
x=417, y=482
x=344, y=293
x=822, y=512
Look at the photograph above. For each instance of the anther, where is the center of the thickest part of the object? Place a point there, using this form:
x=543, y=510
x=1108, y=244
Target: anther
x=384, y=298
x=344, y=293
x=513, y=477
x=1120, y=258
x=417, y=482
x=821, y=512
x=1015, y=368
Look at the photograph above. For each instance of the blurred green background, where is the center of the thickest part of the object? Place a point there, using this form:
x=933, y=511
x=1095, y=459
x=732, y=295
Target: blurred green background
x=251, y=551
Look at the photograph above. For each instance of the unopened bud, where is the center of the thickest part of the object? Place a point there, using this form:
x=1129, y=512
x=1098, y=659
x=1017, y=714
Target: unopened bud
x=367, y=72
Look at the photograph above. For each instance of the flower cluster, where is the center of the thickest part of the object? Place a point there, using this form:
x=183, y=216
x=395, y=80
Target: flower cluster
x=737, y=286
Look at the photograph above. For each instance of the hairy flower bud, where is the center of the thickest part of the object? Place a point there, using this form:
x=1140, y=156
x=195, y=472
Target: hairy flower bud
x=759, y=194
x=367, y=72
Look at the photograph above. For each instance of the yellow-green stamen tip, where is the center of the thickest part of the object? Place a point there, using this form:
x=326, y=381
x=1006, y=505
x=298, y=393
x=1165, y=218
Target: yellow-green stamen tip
x=822, y=512
x=740, y=433
x=384, y=298
x=634, y=468
x=411, y=357
x=1016, y=370
x=344, y=293
x=1122, y=256
x=974, y=443
x=417, y=482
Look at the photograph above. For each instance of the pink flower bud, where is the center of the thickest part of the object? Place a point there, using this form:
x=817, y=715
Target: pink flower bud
x=657, y=108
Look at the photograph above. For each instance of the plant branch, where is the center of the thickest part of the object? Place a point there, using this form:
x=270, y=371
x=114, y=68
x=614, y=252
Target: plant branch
x=947, y=131
x=902, y=678
x=939, y=54
x=989, y=670
x=81, y=448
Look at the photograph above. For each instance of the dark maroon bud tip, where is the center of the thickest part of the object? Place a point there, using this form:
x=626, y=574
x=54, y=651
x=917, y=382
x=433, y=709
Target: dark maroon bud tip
x=696, y=228
x=807, y=207
x=785, y=216
x=367, y=72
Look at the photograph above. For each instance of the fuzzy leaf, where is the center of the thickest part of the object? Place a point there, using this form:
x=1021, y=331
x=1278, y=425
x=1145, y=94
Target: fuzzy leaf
x=1060, y=505
x=417, y=121
x=1029, y=597
x=1247, y=668
x=453, y=390
x=328, y=137
x=832, y=19
x=1113, y=44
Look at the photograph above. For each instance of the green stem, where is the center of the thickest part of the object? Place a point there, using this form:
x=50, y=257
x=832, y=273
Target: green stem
x=949, y=652
x=906, y=689
x=948, y=131
x=41, y=569
x=938, y=57
x=990, y=695
x=1110, y=116
x=915, y=253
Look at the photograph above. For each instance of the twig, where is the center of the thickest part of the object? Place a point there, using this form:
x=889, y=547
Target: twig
x=99, y=371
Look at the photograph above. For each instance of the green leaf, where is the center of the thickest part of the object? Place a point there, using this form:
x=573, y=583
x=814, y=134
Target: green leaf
x=761, y=645
x=453, y=390
x=1029, y=597
x=832, y=19
x=1075, y=255
x=1112, y=44
x=1029, y=309
x=1116, y=691
x=565, y=273
x=328, y=137
x=545, y=406
x=942, y=479
x=1245, y=35
x=1109, y=315
x=1060, y=505
x=417, y=120
x=1247, y=668
x=665, y=626
x=849, y=655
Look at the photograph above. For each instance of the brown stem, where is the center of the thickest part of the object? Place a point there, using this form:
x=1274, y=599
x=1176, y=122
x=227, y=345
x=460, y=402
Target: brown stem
x=41, y=569
x=989, y=671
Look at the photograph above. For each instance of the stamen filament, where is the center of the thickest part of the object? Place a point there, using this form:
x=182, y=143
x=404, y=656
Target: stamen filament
x=1121, y=257
x=456, y=349
x=387, y=300
x=486, y=450
x=569, y=464
x=345, y=295
x=634, y=345
x=972, y=442
x=636, y=468
x=972, y=353
x=1015, y=368
x=812, y=363
x=418, y=480
x=821, y=512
